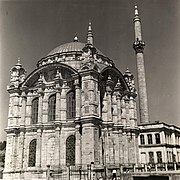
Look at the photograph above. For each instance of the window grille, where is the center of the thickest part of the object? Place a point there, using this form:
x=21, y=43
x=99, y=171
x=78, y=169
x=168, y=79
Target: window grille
x=35, y=103
x=71, y=105
x=52, y=108
x=32, y=153
x=70, y=150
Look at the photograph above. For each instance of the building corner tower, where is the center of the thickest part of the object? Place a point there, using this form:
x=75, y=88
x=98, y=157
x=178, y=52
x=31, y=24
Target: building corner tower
x=139, y=47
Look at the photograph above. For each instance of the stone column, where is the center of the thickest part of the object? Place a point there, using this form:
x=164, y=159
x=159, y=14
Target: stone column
x=23, y=112
x=131, y=112
x=28, y=109
x=127, y=110
x=14, y=152
x=58, y=105
x=109, y=106
x=40, y=108
x=123, y=114
x=45, y=108
x=9, y=157
x=78, y=149
x=38, y=150
x=121, y=155
x=162, y=137
x=57, y=147
x=109, y=83
x=114, y=106
x=119, y=109
x=126, y=148
x=63, y=103
x=21, y=151
x=78, y=99
x=90, y=143
x=104, y=109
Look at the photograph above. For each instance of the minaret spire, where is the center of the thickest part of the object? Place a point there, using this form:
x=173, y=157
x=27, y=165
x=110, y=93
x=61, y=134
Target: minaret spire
x=90, y=34
x=139, y=48
x=137, y=24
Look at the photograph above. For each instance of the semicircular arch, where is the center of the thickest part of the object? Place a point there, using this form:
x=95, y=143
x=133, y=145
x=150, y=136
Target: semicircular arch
x=34, y=75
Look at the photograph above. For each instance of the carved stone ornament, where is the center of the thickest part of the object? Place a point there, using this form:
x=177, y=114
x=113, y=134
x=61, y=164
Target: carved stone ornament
x=139, y=46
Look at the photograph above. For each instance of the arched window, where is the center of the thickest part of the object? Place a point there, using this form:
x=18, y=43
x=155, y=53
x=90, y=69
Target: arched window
x=70, y=150
x=35, y=110
x=52, y=108
x=71, y=105
x=32, y=153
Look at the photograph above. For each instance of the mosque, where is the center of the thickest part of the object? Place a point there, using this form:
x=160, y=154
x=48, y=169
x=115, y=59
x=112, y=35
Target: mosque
x=75, y=115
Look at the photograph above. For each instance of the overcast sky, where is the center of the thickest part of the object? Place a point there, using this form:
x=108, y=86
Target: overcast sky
x=30, y=29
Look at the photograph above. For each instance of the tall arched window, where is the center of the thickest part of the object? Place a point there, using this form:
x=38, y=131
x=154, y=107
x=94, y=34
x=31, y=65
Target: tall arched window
x=32, y=153
x=52, y=108
x=71, y=105
x=70, y=150
x=35, y=110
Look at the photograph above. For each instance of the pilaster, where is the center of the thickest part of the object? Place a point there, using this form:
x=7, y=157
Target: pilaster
x=39, y=146
x=58, y=105
x=23, y=110
x=114, y=108
x=21, y=151
x=40, y=108
x=78, y=150
x=57, y=147
x=78, y=98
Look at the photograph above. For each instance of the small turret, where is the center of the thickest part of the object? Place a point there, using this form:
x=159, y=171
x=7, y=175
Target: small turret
x=17, y=75
x=90, y=34
x=129, y=78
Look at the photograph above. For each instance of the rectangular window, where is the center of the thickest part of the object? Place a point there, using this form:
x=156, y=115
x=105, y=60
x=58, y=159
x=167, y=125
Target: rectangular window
x=159, y=157
x=151, y=157
x=142, y=139
x=157, y=136
x=149, y=138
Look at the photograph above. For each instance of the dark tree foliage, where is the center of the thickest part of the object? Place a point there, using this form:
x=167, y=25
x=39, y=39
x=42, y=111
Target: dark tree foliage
x=2, y=153
x=2, y=145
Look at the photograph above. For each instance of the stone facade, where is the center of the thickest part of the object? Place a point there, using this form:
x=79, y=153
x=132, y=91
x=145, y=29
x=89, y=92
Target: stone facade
x=75, y=108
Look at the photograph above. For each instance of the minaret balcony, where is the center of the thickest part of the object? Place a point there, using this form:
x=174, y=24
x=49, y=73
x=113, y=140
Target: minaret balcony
x=139, y=46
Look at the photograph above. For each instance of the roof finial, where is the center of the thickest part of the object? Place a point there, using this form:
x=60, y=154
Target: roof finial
x=19, y=60
x=90, y=34
x=136, y=10
x=76, y=38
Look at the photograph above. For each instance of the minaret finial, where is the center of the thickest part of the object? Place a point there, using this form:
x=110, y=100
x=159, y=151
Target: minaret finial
x=136, y=13
x=90, y=34
x=76, y=38
x=19, y=60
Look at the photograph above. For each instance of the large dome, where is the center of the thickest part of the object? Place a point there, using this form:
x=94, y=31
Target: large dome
x=70, y=47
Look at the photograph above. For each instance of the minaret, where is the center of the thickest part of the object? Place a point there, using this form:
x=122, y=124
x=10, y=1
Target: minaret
x=139, y=47
x=90, y=34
